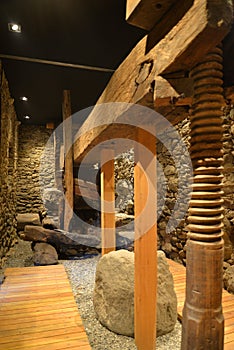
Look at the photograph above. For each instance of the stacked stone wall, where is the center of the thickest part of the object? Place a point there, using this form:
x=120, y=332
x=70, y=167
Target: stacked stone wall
x=32, y=143
x=8, y=169
x=173, y=243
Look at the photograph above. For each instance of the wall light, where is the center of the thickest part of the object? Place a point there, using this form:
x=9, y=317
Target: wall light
x=27, y=117
x=23, y=98
x=14, y=27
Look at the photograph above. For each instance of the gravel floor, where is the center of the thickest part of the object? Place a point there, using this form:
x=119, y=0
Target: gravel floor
x=81, y=273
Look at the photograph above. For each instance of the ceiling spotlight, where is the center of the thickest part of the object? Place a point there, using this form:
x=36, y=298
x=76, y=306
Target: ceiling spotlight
x=26, y=117
x=23, y=98
x=14, y=27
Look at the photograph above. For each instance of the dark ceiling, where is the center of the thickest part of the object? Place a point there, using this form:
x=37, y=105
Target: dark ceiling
x=83, y=32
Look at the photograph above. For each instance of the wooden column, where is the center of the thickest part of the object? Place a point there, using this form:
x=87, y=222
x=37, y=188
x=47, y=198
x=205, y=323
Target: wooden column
x=203, y=323
x=145, y=243
x=58, y=174
x=68, y=151
x=108, y=201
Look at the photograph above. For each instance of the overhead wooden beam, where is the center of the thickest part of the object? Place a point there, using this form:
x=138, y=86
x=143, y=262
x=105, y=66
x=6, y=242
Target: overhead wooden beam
x=68, y=151
x=145, y=245
x=157, y=16
x=107, y=201
x=146, y=13
x=203, y=26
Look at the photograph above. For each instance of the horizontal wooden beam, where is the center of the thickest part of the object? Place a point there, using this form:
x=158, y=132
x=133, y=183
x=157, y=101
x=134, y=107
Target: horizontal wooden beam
x=86, y=189
x=203, y=26
x=145, y=13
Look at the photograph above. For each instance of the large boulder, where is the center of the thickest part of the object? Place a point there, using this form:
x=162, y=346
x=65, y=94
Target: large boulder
x=113, y=297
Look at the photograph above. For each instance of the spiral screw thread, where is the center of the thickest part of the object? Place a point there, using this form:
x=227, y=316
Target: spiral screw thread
x=205, y=209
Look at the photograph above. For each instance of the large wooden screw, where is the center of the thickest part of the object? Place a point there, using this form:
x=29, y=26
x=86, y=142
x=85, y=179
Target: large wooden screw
x=203, y=322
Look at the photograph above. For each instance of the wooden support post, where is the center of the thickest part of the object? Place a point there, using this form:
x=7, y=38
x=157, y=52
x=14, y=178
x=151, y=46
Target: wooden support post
x=107, y=201
x=59, y=165
x=68, y=150
x=145, y=243
x=58, y=174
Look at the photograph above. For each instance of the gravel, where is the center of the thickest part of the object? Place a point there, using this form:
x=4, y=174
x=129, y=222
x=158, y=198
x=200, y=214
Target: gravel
x=81, y=273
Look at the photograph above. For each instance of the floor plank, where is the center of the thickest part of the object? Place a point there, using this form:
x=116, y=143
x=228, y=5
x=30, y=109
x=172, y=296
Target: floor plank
x=179, y=276
x=38, y=311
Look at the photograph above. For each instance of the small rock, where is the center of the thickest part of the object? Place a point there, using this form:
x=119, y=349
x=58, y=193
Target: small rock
x=225, y=265
x=169, y=170
x=44, y=254
x=27, y=219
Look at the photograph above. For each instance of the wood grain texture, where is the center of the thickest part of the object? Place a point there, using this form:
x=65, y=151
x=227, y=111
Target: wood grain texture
x=68, y=161
x=179, y=275
x=145, y=13
x=203, y=26
x=145, y=246
x=108, y=201
x=86, y=189
x=38, y=311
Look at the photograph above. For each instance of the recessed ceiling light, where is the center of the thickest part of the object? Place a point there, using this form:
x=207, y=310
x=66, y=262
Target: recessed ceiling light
x=23, y=98
x=27, y=117
x=14, y=27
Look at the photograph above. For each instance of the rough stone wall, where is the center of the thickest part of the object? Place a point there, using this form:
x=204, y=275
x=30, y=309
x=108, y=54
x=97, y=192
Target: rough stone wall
x=175, y=174
x=8, y=169
x=32, y=143
x=124, y=182
x=174, y=242
x=228, y=183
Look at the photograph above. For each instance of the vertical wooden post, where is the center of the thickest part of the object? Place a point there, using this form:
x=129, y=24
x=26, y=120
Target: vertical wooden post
x=145, y=243
x=58, y=174
x=203, y=323
x=68, y=150
x=107, y=201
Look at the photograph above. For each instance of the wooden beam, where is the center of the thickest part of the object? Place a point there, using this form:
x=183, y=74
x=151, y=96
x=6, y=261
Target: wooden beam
x=86, y=189
x=203, y=26
x=59, y=166
x=107, y=201
x=173, y=92
x=145, y=242
x=146, y=13
x=68, y=151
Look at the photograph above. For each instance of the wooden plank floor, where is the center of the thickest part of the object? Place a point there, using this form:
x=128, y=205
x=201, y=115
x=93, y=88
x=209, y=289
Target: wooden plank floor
x=178, y=272
x=38, y=311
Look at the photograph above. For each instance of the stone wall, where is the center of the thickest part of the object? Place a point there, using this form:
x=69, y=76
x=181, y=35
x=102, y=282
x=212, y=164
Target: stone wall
x=32, y=143
x=173, y=243
x=8, y=169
